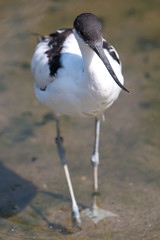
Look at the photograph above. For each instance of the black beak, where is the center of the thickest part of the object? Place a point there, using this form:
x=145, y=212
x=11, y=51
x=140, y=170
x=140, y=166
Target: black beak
x=100, y=52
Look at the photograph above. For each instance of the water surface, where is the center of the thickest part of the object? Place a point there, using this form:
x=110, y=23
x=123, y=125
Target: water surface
x=34, y=202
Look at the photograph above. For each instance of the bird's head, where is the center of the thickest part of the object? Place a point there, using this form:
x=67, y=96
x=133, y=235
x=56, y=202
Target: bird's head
x=89, y=29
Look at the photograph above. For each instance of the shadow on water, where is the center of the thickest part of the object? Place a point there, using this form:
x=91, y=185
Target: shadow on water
x=59, y=227
x=15, y=192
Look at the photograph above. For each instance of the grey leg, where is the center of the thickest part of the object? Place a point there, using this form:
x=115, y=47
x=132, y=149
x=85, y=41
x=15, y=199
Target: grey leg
x=96, y=213
x=95, y=163
x=95, y=156
x=61, y=151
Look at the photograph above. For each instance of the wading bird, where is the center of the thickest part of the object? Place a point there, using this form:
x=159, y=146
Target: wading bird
x=77, y=73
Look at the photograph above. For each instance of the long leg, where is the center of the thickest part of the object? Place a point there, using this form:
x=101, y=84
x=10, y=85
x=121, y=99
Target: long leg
x=61, y=151
x=95, y=162
x=96, y=213
x=95, y=155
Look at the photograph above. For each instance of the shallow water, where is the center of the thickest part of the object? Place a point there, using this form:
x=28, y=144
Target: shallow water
x=34, y=201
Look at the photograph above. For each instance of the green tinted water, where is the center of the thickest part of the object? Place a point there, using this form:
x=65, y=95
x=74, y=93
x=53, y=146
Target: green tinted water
x=35, y=202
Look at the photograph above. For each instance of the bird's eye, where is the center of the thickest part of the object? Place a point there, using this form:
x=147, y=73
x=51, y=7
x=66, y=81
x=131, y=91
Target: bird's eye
x=81, y=33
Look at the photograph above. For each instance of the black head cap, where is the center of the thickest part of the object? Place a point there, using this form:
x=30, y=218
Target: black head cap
x=88, y=27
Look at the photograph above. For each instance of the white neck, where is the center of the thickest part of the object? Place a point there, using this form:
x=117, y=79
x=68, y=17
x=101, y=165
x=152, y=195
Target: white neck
x=94, y=69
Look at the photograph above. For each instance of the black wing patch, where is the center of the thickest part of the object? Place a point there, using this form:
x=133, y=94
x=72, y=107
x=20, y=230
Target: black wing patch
x=55, y=43
x=111, y=51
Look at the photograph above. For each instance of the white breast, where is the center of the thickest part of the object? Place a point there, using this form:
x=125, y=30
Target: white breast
x=76, y=89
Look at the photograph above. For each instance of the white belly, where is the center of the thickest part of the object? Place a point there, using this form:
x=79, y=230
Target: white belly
x=78, y=97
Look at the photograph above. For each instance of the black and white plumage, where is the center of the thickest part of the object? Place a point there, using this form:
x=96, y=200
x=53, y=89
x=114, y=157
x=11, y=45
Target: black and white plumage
x=77, y=73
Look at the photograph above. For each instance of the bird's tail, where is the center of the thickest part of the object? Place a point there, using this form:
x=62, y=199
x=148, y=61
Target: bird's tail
x=40, y=38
